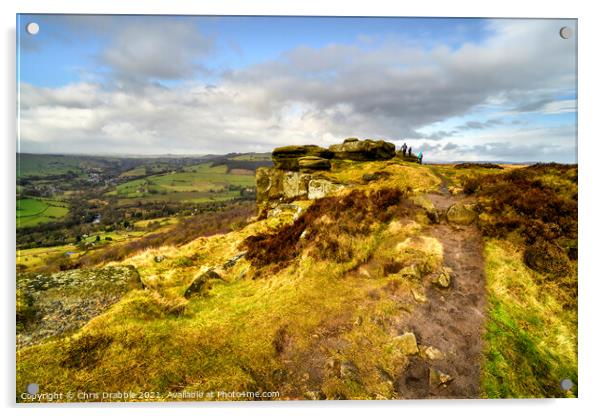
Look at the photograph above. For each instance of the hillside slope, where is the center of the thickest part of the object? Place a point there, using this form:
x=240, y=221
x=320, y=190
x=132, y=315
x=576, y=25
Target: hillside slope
x=378, y=290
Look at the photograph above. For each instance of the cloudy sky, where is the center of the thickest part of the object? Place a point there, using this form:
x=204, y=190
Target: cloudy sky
x=457, y=89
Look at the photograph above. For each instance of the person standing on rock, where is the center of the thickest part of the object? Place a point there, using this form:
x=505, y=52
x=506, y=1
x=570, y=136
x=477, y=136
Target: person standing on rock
x=404, y=148
x=420, y=158
x=410, y=151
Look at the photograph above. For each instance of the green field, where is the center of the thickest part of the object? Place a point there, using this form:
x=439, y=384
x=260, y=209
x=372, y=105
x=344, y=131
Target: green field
x=37, y=211
x=198, y=183
x=45, y=165
x=252, y=156
x=138, y=171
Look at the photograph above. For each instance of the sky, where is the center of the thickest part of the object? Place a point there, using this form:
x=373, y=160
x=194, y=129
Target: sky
x=455, y=89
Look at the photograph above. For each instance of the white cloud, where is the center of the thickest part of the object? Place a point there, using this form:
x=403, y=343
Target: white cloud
x=164, y=50
x=308, y=95
x=560, y=106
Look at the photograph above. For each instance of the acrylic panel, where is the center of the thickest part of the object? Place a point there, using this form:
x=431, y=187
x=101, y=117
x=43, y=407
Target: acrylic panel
x=295, y=208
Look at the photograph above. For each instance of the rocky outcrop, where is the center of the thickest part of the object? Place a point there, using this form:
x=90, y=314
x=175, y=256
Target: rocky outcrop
x=232, y=262
x=289, y=157
x=291, y=209
x=276, y=187
x=279, y=185
x=294, y=185
x=313, y=163
x=49, y=305
x=363, y=150
x=319, y=188
x=297, y=171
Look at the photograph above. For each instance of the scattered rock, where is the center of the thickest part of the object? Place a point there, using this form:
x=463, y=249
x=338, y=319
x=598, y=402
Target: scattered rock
x=455, y=190
x=369, y=177
x=443, y=278
x=201, y=284
x=363, y=150
x=411, y=272
x=431, y=353
x=281, y=209
x=438, y=378
x=212, y=274
x=319, y=188
x=159, y=259
x=232, y=262
x=461, y=214
x=406, y=343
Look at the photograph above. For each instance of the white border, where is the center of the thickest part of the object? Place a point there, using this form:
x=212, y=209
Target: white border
x=590, y=157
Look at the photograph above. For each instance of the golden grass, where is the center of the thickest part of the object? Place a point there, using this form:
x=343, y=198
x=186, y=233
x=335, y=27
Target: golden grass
x=403, y=175
x=290, y=330
x=531, y=339
x=279, y=331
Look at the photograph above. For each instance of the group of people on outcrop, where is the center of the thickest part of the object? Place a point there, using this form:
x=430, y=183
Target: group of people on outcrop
x=405, y=148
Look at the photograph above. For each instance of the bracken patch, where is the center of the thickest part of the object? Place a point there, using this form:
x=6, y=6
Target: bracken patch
x=326, y=224
x=521, y=200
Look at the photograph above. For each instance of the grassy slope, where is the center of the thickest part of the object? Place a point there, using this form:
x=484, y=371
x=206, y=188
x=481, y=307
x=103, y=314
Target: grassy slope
x=268, y=329
x=531, y=334
x=225, y=342
x=42, y=165
x=531, y=339
x=34, y=211
x=311, y=310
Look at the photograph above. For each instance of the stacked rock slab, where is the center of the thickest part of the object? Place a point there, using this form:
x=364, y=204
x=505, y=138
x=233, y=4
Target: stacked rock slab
x=363, y=150
x=312, y=163
x=309, y=156
x=296, y=171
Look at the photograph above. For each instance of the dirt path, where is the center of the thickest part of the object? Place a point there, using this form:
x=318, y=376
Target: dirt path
x=452, y=319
